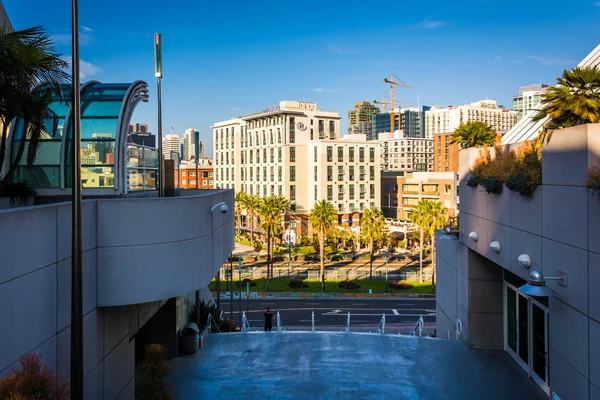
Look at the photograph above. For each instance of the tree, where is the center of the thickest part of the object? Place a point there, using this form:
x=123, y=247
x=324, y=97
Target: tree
x=270, y=211
x=371, y=227
x=439, y=219
x=251, y=203
x=421, y=217
x=239, y=200
x=155, y=368
x=32, y=380
x=575, y=100
x=474, y=134
x=321, y=218
x=32, y=75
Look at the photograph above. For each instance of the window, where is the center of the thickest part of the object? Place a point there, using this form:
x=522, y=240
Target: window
x=279, y=172
x=340, y=192
x=279, y=154
x=272, y=154
x=292, y=173
x=331, y=130
x=329, y=192
x=447, y=189
x=351, y=189
x=293, y=207
x=192, y=182
x=316, y=198
x=272, y=174
x=315, y=153
x=372, y=173
x=329, y=173
x=352, y=207
x=292, y=130
x=183, y=173
x=362, y=191
x=265, y=156
x=316, y=170
x=386, y=188
x=372, y=154
x=292, y=154
x=183, y=182
x=292, y=192
x=340, y=173
x=351, y=156
x=204, y=182
x=340, y=154
x=251, y=174
x=361, y=154
x=329, y=153
x=372, y=191
x=362, y=173
x=351, y=177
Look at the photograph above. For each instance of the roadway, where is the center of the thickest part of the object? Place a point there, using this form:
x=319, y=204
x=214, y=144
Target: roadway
x=332, y=312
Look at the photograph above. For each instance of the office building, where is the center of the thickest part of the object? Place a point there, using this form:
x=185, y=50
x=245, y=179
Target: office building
x=140, y=135
x=382, y=122
x=295, y=150
x=412, y=121
x=192, y=176
x=171, y=147
x=401, y=153
x=360, y=119
x=445, y=154
x=529, y=98
x=447, y=119
x=401, y=191
x=191, y=145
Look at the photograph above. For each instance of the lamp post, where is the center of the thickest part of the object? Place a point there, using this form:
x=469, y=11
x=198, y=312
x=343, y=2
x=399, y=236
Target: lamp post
x=386, y=271
x=158, y=75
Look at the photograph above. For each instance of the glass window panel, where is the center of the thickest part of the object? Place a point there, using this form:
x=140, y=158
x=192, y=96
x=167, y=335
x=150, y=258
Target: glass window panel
x=523, y=325
x=100, y=176
x=539, y=341
x=511, y=319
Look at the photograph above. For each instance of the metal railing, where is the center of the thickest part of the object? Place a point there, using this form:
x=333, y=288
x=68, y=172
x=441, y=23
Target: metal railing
x=279, y=324
x=418, y=328
x=313, y=320
x=381, y=328
x=348, y=323
x=245, y=323
x=457, y=327
x=210, y=321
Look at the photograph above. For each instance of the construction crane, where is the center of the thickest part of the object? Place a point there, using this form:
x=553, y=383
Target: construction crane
x=393, y=84
x=385, y=103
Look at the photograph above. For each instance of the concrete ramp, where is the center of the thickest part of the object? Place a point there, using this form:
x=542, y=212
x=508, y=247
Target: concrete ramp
x=298, y=365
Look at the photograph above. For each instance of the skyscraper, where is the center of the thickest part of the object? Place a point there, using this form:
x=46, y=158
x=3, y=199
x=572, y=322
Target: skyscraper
x=140, y=134
x=192, y=146
x=361, y=117
x=171, y=148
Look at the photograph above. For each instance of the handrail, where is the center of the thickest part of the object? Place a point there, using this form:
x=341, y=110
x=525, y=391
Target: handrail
x=418, y=328
x=458, y=329
x=348, y=323
x=313, y=321
x=209, y=323
x=279, y=324
x=245, y=323
x=381, y=328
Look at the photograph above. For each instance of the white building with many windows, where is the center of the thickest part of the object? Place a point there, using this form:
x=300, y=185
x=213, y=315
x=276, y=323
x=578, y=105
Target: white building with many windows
x=529, y=98
x=295, y=150
x=400, y=153
x=447, y=119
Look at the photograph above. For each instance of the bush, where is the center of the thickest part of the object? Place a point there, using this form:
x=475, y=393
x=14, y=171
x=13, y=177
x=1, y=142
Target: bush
x=243, y=283
x=348, y=285
x=473, y=181
x=227, y=325
x=400, y=285
x=593, y=179
x=297, y=284
x=19, y=192
x=32, y=380
x=155, y=370
x=492, y=185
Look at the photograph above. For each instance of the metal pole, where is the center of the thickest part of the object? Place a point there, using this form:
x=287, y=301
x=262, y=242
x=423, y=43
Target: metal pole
x=196, y=170
x=219, y=290
x=247, y=298
x=231, y=287
x=158, y=74
x=386, y=272
x=240, y=288
x=76, y=248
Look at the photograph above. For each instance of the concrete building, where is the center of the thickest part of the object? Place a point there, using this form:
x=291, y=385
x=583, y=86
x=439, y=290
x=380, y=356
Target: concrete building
x=401, y=153
x=140, y=135
x=528, y=99
x=382, y=123
x=445, y=154
x=360, y=119
x=191, y=177
x=447, y=119
x=295, y=150
x=171, y=147
x=401, y=191
x=192, y=146
x=503, y=238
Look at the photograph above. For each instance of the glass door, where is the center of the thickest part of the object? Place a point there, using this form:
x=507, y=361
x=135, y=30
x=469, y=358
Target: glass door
x=539, y=344
x=516, y=323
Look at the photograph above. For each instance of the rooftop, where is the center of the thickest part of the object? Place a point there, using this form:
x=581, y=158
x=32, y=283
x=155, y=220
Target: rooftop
x=308, y=365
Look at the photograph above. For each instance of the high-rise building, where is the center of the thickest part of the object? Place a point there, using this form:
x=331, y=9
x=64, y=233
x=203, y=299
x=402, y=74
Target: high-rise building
x=401, y=153
x=360, y=119
x=295, y=150
x=445, y=154
x=447, y=119
x=528, y=99
x=4, y=21
x=171, y=148
x=140, y=134
x=191, y=144
x=381, y=123
x=412, y=121
x=138, y=128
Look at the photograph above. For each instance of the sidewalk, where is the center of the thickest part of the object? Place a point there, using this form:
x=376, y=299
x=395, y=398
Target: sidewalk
x=364, y=296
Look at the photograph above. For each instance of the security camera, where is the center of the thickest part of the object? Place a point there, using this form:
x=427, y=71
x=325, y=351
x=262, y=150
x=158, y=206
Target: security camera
x=224, y=208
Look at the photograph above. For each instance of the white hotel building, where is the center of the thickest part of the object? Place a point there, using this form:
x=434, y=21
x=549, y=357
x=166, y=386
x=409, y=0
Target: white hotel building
x=295, y=150
x=400, y=153
x=447, y=119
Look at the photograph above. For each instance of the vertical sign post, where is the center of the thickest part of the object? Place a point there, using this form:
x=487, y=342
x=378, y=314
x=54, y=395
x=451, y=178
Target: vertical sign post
x=158, y=75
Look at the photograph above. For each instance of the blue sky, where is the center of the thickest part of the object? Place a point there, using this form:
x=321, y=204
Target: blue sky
x=224, y=59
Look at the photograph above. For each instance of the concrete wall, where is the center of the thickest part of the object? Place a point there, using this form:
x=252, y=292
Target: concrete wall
x=35, y=278
x=559, y=229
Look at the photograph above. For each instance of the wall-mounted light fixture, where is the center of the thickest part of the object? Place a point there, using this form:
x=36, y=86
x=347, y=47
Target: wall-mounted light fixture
x=473, y=236
x=495, y=246
x=524, y=260
x=536, y=285
x=448, y=233
x=222, y=206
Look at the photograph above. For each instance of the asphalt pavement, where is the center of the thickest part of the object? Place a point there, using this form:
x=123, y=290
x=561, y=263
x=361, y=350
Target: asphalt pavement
x=330, y=313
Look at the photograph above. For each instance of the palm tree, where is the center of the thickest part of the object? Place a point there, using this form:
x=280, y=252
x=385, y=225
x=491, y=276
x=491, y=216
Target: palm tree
x=371, y=226
x=473, y=134
x=270, y=211
x=239, y=207
x=251, y=203
x=321, y=218
x=439, y=219
x=575, y=100
x=31, y=75
x=421, y=217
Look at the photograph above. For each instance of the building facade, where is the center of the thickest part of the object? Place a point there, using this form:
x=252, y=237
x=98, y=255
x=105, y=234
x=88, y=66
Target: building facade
x=413, y=121
x=192, y=146
x=382, y=124
x=360, y=119
x=401, y=191
x=528, y=99
x=295, y=150
x=171, y=147
x=401, y=153
x=445, y=154
x=190, y=177
x=447, y=119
